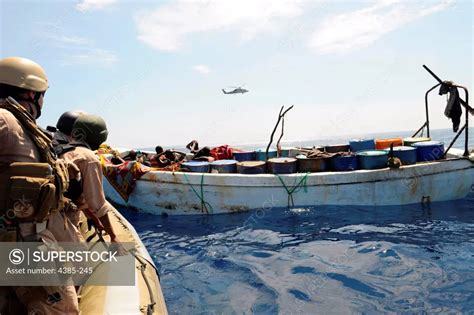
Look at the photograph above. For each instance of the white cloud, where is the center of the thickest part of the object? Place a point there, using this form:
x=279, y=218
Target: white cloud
x=358, y=29
x=202, y=69
x=69, y=40
x=91, y=5
x=167, y=27
x=90, y=56
x=80, y=51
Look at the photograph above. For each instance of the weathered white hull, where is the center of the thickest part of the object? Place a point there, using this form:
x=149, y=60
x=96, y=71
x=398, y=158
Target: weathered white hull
x=179, y=193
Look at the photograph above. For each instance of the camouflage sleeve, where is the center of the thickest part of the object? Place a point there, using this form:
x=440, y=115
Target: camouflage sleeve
x=92, y=189
x=4, y=133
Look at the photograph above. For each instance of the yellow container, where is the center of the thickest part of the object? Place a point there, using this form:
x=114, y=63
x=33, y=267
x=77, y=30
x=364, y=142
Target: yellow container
x=410, y=141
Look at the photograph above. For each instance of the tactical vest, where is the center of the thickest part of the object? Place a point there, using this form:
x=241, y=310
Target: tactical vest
x=62, y=148
x=75, y=185
x=29, y=192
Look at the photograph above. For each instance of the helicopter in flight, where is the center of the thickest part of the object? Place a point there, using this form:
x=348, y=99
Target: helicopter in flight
x=236, y=90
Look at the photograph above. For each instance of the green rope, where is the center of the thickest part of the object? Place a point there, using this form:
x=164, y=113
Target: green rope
x=296, y=188
x=205, y=206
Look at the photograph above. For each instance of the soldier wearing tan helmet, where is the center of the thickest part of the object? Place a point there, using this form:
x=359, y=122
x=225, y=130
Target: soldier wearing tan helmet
x=23, y=84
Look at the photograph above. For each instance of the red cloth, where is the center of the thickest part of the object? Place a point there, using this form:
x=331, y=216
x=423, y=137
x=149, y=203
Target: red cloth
x=123, y=176
x=222, y=153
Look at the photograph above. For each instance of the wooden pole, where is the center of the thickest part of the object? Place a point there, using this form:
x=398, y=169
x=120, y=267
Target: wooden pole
x=281, y=114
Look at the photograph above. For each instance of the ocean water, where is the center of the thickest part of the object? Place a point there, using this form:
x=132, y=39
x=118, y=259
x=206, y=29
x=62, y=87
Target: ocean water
x=318, y=260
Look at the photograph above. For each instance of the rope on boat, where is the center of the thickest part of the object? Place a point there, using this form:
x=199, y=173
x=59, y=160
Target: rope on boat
x=205, y=206
x=296, y=188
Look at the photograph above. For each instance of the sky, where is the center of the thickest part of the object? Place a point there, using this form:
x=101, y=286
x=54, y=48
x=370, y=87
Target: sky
x=155, y=69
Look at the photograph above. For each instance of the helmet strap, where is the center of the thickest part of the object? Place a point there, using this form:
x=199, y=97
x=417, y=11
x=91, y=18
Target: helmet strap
x=37, y=104
x=34, y=101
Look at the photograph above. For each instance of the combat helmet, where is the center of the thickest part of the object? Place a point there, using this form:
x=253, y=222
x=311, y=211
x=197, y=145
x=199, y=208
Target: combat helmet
x=66, y=121
x=90, y=129
x=23, y=73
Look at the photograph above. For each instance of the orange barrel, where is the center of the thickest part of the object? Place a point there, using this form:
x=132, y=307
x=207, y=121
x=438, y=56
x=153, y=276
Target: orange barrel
x=381, y=144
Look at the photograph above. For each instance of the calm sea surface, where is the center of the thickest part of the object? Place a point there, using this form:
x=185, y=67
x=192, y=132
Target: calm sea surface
x=319, y=260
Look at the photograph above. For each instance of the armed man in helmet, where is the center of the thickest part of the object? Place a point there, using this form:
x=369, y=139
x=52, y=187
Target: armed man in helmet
x=25, y=189
x=64, y=224
x=88, y=133
x=62, y=132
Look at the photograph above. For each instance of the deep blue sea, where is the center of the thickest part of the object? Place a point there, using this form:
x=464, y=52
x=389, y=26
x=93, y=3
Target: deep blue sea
x=319, y=260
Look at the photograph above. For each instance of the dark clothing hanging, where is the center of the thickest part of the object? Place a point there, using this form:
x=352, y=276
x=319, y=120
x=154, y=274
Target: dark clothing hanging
x=453, y=108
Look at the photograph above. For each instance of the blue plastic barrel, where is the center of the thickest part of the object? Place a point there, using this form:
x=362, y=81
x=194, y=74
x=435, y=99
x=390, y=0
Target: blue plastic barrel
x=429, y=150
x=372, y=159
x=362, y=145
x=407, y=155
x=344, y=163
x=285, y=152
x=244, y=156
x=282, y=165
x=224, y=166
x=197, y=166
x=260, y=154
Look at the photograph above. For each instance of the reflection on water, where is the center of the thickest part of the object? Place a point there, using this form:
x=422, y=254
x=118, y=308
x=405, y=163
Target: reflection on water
x=316, y=260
